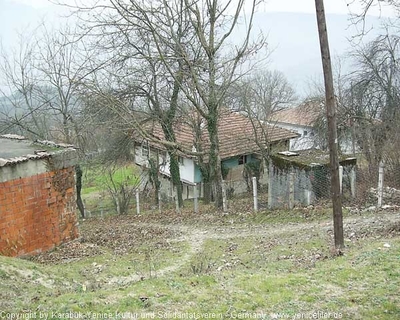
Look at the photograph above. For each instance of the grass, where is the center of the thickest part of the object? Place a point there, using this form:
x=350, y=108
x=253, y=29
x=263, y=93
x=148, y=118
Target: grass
x=96, y=178
x=293, y=274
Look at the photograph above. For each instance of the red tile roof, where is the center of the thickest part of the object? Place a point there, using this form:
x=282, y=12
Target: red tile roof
x=236, y=135
x=304, y=115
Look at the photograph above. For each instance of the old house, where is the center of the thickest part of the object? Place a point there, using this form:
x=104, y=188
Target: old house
x=305, y=119
x=300, y=119
x=240, y=141
x=37, y=195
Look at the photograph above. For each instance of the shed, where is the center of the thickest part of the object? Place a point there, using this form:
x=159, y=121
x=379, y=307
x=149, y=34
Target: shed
x=303, y=177
x=37, y=195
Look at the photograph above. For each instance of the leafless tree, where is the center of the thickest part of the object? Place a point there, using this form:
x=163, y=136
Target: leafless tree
x=258, y=96
x=42, y=98
x=202, y=65
x=261, y=94
x=22, y=104
x=373, y=96
x=212, y=79
x=144, y=65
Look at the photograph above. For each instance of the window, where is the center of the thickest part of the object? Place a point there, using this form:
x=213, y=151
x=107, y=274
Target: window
x=242, y=160
x=305, y=133
x=145, y=149
x=180, y=160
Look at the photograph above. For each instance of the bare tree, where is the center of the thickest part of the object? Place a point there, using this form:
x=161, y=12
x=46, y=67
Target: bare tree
x=143, y=63
x=373, y=97
x=211, y=76
x=43, y=80
x=261, y=94
x=203, y=65
x=23, y=107
x=258, y=96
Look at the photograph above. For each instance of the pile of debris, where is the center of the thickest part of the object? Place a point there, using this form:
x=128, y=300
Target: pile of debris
x=390, y=195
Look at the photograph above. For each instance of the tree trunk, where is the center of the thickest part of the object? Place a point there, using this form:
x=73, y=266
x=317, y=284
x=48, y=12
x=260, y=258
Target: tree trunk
x=154, y=180
x=176, y=177
x=213, y=108
x=215, y=159
x=79, y=202
x=332, y=128
x=167, y=125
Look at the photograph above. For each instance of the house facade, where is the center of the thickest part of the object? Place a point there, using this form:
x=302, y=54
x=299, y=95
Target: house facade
x=303, y=119
x=240, y=142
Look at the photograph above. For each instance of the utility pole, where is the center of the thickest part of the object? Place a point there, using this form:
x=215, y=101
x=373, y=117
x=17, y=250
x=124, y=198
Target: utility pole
x=332, y=130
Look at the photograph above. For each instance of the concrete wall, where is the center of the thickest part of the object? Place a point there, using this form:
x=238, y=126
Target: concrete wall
x=302, y=186
x=37, y=211
x=308, y=185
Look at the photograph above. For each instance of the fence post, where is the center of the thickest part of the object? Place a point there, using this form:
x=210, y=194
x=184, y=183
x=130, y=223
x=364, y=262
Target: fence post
x=159, y=200
x=178, y=210
x=196, y=198
x=224, y=205
x=255, y=194
x=307, y=196
x=353, y=177
x=341, y=179
x=291, y=190
x=270, y=178
x=137, y=202
x=380, y=184
x=87, y=213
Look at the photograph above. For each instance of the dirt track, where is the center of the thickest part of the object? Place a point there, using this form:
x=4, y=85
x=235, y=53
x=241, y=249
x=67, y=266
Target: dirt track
x=122, y=234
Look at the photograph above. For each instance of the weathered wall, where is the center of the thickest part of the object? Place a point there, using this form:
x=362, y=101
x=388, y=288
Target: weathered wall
x=37, y=212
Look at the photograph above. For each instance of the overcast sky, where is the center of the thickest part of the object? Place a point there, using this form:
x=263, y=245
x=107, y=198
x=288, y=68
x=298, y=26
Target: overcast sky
x=331, y=6
x=296, y=50
x=18, y=13
x=305, y=6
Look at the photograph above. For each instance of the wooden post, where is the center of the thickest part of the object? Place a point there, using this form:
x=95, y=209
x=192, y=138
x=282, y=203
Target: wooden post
x=270, y=178
x=291, y=190
x=255, y=194
x=380, y=184
x=196, y=199
x=224, y=204
x=159, y=200
x=341, y=179
x=353, y=178
x=86, y=213
x=307, y=195
x=177, y=208
x=137, y=202
x=332, y=126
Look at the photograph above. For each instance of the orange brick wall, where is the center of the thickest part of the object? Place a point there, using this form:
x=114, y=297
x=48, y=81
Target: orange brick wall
x=37, y=213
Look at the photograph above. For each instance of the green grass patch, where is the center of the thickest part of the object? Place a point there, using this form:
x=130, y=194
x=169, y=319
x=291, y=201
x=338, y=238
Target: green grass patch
x=96, y=178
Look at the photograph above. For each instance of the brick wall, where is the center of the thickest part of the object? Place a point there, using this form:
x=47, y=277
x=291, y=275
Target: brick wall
x=37, y=213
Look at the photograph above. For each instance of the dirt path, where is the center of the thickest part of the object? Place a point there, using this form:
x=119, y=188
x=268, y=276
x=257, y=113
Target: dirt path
x=354, y=227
